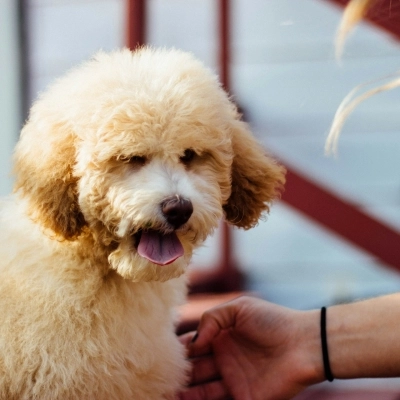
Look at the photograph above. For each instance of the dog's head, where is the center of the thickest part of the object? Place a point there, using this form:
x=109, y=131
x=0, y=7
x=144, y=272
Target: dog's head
x=145, y=153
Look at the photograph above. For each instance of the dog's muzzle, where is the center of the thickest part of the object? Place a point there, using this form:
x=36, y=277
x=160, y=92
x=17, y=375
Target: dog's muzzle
x=164, y=248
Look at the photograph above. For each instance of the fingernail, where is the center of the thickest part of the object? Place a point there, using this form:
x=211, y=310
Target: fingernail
x=194, y=338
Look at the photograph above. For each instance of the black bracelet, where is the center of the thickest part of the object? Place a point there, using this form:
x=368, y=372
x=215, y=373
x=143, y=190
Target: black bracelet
x=325, y=355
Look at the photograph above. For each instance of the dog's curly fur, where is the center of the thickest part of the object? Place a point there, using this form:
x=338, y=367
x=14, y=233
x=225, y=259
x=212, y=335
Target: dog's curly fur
x=83, y=315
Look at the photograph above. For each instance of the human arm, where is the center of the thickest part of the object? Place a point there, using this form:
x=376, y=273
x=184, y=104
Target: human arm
x=250, y=349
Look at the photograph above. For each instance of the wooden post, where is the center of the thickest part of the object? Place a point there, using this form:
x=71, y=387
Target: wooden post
x=136, y=23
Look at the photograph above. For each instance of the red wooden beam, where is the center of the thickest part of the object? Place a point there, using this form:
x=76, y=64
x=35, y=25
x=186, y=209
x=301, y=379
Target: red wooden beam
x=383, y=13
x=229, y=275
x=225, y=276
x=224, y=51
x=135, y=23
x=343, y=218
x=226, y=267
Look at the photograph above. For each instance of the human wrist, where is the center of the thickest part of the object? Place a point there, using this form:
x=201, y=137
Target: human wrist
x=309, y=346
x=346, y=340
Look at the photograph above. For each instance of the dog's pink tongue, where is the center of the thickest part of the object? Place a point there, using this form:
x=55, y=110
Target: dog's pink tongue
x=160, y=249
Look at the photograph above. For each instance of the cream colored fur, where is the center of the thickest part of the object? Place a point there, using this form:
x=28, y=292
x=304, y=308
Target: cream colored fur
x=83, y=315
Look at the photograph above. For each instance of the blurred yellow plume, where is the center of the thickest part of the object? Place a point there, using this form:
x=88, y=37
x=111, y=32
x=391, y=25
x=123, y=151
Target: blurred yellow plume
x=353, y=13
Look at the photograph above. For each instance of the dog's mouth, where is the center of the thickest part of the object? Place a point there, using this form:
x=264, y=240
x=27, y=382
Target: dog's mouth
x=158, y=247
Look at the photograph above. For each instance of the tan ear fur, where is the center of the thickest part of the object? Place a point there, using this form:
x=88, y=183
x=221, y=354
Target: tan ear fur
x=257, y=179
x=43, y=165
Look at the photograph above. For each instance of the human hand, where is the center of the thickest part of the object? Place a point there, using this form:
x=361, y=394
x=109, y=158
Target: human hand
x=249, y=349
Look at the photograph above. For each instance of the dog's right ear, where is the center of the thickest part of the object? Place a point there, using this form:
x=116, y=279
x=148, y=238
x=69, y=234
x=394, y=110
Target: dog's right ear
x=257, y=179
x=43, y=165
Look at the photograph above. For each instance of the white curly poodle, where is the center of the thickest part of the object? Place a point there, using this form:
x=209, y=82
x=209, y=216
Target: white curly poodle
x=124, y=167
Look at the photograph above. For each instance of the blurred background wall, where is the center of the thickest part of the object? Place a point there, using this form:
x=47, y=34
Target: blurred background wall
x=10, y=88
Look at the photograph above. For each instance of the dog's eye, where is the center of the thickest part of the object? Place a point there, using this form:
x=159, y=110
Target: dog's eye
x=188, y=156
x=134, y=160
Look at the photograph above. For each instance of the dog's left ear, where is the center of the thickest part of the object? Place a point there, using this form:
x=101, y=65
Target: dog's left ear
x=257, y=179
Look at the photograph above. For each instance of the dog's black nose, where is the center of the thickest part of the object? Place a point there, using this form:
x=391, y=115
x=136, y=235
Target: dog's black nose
x=177, y=210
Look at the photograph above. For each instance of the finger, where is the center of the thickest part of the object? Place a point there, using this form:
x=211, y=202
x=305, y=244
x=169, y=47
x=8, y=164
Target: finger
x=210, y=391
x=186, y=338
x=213, y=321
x=194, y=351
x=204, y=369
